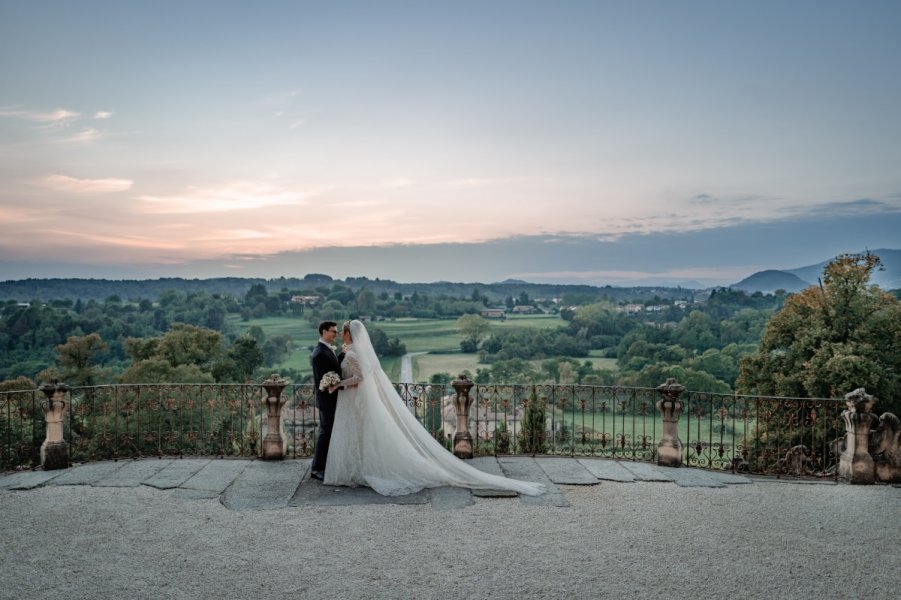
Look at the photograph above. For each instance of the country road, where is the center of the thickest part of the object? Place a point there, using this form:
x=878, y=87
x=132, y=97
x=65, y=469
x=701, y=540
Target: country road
x=406, y=367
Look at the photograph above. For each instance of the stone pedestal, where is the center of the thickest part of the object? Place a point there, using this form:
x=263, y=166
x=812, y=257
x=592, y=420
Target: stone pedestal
x=855, y=464
x=669, y=450
x=462, y=402
x=274, y=441
x=54, y=450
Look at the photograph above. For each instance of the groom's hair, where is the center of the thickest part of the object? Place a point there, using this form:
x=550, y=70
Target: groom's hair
x=326, y=325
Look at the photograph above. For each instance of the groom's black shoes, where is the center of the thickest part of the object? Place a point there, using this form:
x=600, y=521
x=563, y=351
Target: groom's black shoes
x=317, y=475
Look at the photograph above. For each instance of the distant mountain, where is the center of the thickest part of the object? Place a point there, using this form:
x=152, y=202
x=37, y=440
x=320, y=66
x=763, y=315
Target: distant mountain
x=770, y=281
x=793, y=280
x=889, y=279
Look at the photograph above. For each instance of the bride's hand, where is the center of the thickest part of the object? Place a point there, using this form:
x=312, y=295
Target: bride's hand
x=333, y=389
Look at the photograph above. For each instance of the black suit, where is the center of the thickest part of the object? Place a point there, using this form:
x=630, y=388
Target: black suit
x=323, y=361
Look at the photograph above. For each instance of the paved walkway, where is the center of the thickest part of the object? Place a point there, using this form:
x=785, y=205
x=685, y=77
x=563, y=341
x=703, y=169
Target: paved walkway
x=244, y=484
x=201, y=528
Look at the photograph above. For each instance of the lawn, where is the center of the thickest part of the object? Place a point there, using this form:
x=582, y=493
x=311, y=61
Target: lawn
x=301, y=332
x=426, y=365
x=423, y=335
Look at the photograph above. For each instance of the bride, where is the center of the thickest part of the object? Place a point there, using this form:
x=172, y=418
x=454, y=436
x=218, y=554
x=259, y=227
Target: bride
x=376, y=442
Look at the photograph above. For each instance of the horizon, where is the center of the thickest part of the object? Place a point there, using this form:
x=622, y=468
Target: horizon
x=694, y=286
x=586, y=143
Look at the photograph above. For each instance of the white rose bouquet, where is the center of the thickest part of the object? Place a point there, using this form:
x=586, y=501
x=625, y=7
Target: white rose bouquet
x=328, y=380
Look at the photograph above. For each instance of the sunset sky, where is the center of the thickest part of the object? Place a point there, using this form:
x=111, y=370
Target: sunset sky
x=598, y=142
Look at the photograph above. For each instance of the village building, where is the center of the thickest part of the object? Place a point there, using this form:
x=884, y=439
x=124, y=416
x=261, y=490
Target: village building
x=307, y=300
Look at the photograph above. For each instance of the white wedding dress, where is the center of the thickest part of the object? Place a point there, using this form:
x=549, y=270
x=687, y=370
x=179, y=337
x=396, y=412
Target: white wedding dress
x=376, y=442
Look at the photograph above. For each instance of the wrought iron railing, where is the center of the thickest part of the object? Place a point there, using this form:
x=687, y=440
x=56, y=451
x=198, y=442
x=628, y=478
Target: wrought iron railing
x=718, y=431
x=22, y=428
x=755, y=433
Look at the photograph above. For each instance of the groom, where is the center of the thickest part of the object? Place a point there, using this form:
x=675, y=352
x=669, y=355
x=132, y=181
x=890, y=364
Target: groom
x=324, y=360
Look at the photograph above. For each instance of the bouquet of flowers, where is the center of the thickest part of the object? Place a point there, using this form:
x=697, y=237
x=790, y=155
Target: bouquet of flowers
x=328, y=380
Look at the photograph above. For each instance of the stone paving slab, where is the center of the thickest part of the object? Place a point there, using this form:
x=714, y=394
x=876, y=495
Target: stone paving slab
x=450, y=498
x=265, y=485
x=645, y=471
x=216, y=476
x=176, y=473
x=607, y=470
x=313, y=493
x=527, y=469
x=489, y=464
x=88, y=474
x=133, y=473
x=566, y=471
x=27, y=480
x=691, y=477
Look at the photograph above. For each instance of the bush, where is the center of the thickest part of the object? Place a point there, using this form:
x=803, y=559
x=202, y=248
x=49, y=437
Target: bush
x=533, y=437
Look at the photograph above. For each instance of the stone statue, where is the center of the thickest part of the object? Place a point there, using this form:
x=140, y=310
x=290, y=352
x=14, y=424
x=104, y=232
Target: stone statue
x=796, y=462
x=885, y=447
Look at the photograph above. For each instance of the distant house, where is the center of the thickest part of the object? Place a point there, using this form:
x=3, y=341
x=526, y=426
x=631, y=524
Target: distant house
x=494, y=313
x=523, y=309
x=633, y=308
x=681, y=303
x=656, y=308
x=307, y=300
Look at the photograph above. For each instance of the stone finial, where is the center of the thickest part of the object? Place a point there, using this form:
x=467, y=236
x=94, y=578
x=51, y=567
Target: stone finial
x=860, y=401
x=274, y=442
x=855, y=464
x=671, y=389
x=462, y=404
x=54, y=450
x=274, y=385
x=669, y=450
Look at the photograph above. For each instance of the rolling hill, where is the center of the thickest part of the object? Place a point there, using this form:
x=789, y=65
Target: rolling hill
x=793, y=280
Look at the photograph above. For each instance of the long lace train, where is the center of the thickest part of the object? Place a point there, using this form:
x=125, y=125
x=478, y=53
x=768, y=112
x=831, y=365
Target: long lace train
x=376, y=442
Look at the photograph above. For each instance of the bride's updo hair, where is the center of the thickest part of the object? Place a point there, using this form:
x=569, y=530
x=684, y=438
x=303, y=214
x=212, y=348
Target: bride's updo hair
x=346, y=329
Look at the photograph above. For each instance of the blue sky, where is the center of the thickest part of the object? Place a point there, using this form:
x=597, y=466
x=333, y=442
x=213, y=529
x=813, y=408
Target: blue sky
x=598, y=142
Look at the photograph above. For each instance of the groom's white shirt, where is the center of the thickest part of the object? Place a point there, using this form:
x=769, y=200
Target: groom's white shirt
x=330, y=347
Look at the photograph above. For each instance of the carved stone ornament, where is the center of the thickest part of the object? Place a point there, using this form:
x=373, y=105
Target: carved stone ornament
x=462, y=403
x=54, y=450
x=669, y=450
x=274, y=442
x=855, y=464
x=796, y=462
x=885, y=447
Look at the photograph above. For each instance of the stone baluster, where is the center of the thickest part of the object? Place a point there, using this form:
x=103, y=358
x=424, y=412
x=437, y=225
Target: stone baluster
x=54, y=450
x=462, y=402
x=274, y=441
x=855, y=464
x=669, y=450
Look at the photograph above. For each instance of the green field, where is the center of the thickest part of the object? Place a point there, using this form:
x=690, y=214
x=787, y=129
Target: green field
x=426, y=365
x=438, y=337
x=298, y=328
